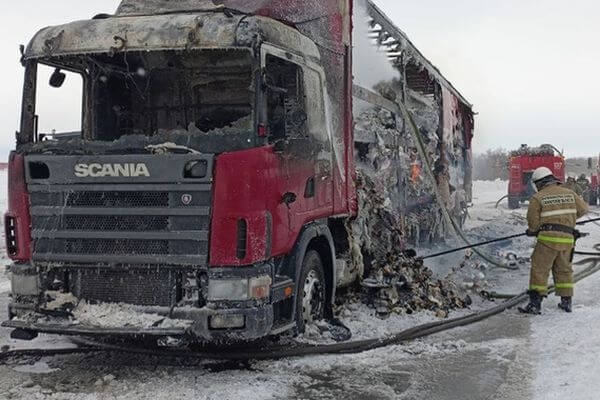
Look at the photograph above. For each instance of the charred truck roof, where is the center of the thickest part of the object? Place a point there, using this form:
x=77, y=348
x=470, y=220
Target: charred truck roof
x=131, y=39
x=183, y=31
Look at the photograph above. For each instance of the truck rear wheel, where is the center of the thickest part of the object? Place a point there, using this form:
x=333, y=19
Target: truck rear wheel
x=310, y=298
x=514, y=202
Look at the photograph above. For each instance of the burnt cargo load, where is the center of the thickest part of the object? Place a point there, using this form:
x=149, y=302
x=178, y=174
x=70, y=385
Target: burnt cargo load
x=211, y=192
x=426, y=177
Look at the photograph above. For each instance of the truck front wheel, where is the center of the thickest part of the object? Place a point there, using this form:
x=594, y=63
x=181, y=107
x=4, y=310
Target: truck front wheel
x=310, y=299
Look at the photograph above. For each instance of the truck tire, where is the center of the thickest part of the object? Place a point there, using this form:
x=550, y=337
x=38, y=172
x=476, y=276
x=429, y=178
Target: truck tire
x=514, y=202
x=310, y=298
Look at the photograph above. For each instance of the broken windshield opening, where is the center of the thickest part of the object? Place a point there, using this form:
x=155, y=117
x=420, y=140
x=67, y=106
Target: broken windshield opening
x=161, y=93
x=58, y=103
x=200, y=99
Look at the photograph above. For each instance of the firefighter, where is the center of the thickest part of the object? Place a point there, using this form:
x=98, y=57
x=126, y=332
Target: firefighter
x=552, y=216
x=584, y=187
x=572, y=184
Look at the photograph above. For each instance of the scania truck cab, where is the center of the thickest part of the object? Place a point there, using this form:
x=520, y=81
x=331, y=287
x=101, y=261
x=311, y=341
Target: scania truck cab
x=209, y=178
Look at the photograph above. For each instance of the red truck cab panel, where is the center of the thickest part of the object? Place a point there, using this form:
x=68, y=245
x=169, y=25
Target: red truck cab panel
x=17, y=221
x=260, y=205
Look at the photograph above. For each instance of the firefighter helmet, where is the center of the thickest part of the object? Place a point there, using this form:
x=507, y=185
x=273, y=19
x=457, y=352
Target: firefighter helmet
x=541, y=173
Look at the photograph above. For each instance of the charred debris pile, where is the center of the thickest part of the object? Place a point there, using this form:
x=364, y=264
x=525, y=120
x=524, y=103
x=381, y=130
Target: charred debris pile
x=395, y=281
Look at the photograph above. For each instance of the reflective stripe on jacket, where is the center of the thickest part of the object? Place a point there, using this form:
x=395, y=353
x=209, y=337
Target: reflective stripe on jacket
x=555, y=205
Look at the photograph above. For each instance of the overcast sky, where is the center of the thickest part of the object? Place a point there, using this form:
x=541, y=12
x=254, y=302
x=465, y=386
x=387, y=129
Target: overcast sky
x=530, y=67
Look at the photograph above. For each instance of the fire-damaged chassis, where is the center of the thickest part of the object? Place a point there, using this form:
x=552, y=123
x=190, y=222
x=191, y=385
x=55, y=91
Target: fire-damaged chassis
x=124, y=214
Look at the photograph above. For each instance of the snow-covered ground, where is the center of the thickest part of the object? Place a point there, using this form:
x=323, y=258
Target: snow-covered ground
x=510, y=356
x=561, y=349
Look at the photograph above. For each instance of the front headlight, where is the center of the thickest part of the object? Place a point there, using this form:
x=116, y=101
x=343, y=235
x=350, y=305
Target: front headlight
x=227, y=289
x=239, y=289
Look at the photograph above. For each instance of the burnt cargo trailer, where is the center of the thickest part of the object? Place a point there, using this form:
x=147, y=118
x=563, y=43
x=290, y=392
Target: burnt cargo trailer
x=425, y=175
x=214, y=182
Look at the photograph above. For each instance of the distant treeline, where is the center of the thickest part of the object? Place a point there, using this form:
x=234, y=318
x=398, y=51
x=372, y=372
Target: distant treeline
x=491, y=165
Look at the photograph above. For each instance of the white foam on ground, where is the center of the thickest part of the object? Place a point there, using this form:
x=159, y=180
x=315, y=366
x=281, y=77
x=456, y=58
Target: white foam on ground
x=40, y=367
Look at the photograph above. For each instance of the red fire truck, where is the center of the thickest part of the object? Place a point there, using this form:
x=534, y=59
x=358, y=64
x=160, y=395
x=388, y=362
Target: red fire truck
x=521, y=165
x=213, y=177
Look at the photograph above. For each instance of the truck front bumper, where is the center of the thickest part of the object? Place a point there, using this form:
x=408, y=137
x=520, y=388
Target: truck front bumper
x=218, y=322
x=195, y=324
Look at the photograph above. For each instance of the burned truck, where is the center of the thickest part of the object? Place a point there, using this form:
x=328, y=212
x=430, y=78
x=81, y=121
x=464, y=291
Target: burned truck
x=213, y=181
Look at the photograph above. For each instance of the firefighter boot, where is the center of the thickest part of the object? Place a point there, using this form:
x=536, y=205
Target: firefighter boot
x=535, y=304
x=566, y=304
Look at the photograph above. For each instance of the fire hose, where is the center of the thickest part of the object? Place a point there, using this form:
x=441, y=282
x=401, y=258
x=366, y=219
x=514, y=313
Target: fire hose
x=499, y=201
x=414, y=130
x=503, y=239
x=271, y=351
x=277, y=351
x=594, y=258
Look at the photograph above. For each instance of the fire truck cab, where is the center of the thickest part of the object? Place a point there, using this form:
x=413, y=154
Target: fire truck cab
x=523, y=162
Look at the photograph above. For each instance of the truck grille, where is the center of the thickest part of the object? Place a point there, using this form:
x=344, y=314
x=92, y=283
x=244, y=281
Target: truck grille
x=133, y=286
x=128, y=227
x=112, y=223
x=117, y=199
x=125, y=247
x=121, y=239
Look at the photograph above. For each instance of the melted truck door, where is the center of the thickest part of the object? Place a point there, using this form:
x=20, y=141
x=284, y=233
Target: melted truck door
x=295, y=116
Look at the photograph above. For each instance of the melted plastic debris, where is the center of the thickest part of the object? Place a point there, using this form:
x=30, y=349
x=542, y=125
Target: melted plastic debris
x=389, y=167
